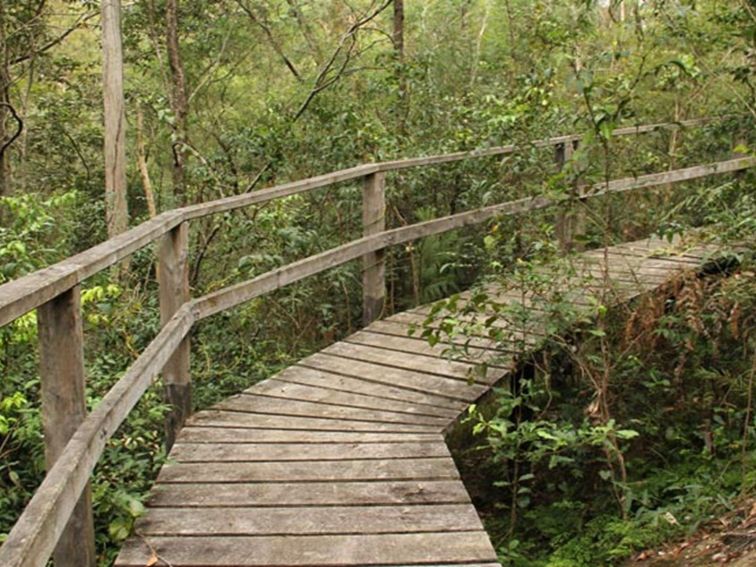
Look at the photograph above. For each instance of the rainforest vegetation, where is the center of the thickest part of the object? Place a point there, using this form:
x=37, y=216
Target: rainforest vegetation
x=632, y=430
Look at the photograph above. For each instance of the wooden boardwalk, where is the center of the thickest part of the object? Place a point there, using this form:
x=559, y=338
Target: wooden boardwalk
x=341, y=458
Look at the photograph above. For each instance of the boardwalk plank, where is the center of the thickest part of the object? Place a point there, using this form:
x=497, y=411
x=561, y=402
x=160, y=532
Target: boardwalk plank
x=640, y=254
x=249, y=452
x=532, y=337
x=397, y=328
x=403, y=360
x=311, y=520
x=344, y=551
x=331, y=380
x=279, y=494
x=419, y=347
x=387, y=469
x=220, y=418
x=275, y=387
x=195, y=434
x=247, y=402
x=409, y=379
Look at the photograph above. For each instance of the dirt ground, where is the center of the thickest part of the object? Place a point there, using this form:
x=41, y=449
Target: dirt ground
x=729, y=540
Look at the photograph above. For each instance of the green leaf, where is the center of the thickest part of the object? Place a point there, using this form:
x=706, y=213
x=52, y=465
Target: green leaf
x=119, y=530
x=627, y=434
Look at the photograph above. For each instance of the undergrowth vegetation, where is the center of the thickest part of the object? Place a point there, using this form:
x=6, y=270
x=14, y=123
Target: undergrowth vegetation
x=634, y=424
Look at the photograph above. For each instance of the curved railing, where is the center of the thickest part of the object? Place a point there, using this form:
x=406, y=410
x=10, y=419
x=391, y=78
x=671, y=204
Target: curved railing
x=58, y=513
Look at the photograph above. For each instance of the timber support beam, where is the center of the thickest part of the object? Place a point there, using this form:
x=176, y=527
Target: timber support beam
x=61, y=356
x=374, y=263
x=173, y=277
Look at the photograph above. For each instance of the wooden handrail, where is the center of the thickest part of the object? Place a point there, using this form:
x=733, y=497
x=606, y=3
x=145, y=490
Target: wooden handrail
x=34, y=536
x=28, y=292
x=235, y=295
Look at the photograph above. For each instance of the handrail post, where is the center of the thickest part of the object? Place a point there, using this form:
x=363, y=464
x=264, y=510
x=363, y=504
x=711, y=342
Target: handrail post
x=173, y=278
x=567, y=221
x=61, y=360
x=374, y=264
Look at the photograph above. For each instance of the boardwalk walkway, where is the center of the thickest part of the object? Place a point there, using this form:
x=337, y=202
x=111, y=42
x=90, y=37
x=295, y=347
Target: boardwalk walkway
x=341, y=459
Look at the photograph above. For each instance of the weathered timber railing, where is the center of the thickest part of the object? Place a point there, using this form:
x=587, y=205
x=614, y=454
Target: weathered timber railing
x=58, y=518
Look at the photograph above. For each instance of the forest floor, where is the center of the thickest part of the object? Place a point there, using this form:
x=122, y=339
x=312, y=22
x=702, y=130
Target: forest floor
x=728, y=540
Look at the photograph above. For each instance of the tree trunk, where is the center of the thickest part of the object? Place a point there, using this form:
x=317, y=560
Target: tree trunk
x=5, y=185
x=399, y=29
x=144, y=172
x=398, y=37
x=179, y=103
x=116, y=207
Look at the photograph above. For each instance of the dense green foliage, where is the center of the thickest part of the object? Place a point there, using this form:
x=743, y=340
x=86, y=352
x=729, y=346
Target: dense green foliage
x=474, y=73
x=634, y=424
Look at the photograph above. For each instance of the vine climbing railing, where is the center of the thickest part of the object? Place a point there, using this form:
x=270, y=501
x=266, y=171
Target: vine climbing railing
x=58, y=519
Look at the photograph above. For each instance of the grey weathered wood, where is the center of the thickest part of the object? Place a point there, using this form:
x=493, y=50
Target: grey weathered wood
x=514, y=334
x=333, y=471
x=279, y=191
x=554, y=141
x=33, y=537
x=173, y=277
x=342, y=550
x=417, y=346
x=300, y=392
x=310, y=520
x=629, y=260
x=373, y=263
x=401, y=378
x=359, y=384
x=41, y=524
x=438, y=366
x=278, y=494
x=295, y=408
x=62, y=384
x=242, y=419
x=638, y=255
x=565, y=217
x=398, y=329
x=266, y=452
x=26, y=293
x=675, y=176
x=200, y=434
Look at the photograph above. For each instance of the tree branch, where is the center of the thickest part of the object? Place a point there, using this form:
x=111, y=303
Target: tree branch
x=5, y=145
x=52, y=43
x=321, y=81
x=271, y=39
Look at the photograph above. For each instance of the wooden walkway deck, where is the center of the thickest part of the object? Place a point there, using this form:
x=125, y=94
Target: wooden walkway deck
x=341, y=459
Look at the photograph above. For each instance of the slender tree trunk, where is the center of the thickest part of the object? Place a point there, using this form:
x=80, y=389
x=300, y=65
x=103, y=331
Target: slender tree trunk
x=179, y=103
x=116, y=207
x=24, y=140
x=398, y=37
x=399, y=29
x=511, y=49
x=144, y=172
x=5, y=182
